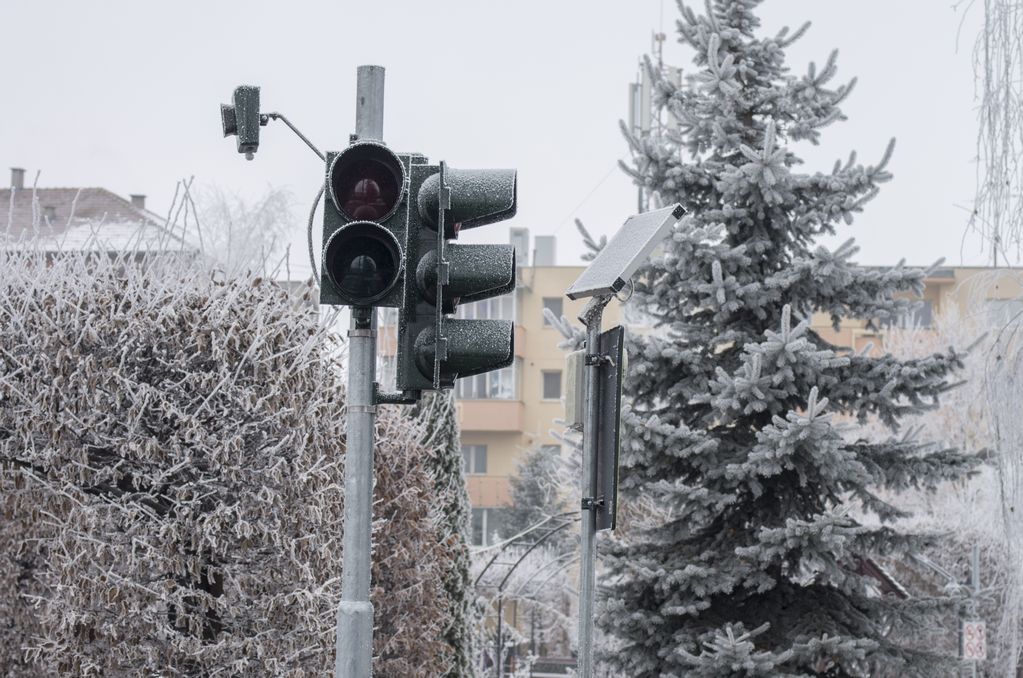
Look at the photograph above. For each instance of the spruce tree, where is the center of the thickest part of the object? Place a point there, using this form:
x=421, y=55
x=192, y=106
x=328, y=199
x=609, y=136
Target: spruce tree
x=768, y=507
x=536, y=494
x=442, y=437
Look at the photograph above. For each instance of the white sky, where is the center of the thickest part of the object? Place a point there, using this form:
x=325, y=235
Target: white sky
x=125, y=94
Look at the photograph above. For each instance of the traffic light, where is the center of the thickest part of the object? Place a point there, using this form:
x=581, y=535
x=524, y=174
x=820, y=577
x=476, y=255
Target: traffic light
x=386, y=227
x=364, y=226
x=433, y=349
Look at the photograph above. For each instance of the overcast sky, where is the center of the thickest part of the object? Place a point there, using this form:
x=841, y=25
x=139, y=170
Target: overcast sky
x=125, y=95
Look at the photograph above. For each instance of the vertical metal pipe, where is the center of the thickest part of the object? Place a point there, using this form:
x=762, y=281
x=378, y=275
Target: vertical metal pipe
x=532, y=638
x=354, y=644
x=355, y=613
x=975, y=584
x=588, y=486
x=500, y=640
x=369, y=103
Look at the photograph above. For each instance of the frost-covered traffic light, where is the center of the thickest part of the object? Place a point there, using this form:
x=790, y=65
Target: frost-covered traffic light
x=433, y=348
x=386, y=229
x=364, y=226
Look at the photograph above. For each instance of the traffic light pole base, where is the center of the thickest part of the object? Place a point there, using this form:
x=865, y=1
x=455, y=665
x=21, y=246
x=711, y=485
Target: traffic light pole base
x=355, y=640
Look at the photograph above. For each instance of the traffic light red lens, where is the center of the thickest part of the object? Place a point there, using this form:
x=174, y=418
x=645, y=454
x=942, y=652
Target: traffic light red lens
x=363, y=262
x=366, y=182
x=368, y=193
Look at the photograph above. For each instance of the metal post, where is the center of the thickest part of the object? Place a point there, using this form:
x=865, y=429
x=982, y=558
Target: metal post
x=354, y=646
x=369, y=103
x=500, y=640
x=591, y=317
x=975, y=583
x=532, y=638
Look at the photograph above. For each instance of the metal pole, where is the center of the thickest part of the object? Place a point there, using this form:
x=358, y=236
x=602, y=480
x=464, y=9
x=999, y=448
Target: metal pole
x=591, y=317
x=532, y=638
x=369, y=103
x=500, y=640
x=354, y=646
x=975, y=582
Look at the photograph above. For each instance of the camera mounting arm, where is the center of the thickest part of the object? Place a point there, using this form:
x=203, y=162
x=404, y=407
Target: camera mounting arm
x=241, y=118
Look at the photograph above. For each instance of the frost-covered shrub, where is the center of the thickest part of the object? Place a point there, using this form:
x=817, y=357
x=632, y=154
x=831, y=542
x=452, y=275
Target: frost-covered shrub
x=982, y=412
x=439, y=420
x=171, y=476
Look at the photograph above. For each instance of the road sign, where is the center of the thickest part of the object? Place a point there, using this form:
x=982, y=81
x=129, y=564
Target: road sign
x=974, y=640
x=609, y=405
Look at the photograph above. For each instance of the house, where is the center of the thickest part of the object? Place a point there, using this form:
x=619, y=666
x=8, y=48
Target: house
x=90, y=219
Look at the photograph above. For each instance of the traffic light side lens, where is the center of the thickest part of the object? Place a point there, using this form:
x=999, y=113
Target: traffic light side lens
x=363, y=262
x=366, y=182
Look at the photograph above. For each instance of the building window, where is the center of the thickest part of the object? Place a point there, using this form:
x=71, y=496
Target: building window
x=551, y=450
x=474, y=459
x=487, y=526
x=920, y=315
x=497, y=308
x=501, y=384
x=557, y=308
x=551, y=384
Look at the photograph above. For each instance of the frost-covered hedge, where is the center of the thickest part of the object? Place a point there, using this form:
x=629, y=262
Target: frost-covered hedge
x=171, y=475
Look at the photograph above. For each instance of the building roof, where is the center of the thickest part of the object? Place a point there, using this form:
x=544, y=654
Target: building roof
x=81, y=218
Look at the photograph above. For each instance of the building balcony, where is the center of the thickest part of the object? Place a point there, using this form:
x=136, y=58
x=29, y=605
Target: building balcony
x=488, y=491
x=491, y=415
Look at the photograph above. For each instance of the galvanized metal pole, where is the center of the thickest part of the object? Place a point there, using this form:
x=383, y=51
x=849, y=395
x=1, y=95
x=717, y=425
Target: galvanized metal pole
x=354, y=647
x=369, y=103
x=500, y=636
x=591, y=317
x=975, y=584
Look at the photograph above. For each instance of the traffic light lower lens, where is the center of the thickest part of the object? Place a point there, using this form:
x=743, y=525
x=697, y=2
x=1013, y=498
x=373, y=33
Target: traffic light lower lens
x=363, y=261
x=366, y=182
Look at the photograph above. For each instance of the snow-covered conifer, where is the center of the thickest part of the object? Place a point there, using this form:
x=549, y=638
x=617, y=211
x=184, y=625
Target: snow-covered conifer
x=755, y=565
x=536, y=493
x=439, y=418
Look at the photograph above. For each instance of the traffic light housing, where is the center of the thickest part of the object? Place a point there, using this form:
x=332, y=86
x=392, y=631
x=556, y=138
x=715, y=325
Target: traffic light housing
x=364, y=226
x=433, y=349
x=387, y=224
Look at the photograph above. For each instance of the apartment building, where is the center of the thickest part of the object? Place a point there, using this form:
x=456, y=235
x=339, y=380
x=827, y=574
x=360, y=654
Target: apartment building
x=979, y=296
x=505, y=413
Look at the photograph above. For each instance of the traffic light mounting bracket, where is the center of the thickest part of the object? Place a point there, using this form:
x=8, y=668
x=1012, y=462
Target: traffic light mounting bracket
x=443, y=275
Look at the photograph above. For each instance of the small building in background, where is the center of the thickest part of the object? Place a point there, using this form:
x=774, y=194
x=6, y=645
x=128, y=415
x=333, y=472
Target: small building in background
x=77, y=219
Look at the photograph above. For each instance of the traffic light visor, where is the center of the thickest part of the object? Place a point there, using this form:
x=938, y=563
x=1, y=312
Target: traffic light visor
x=363, y=261
x=478, y=197
x=366, y=181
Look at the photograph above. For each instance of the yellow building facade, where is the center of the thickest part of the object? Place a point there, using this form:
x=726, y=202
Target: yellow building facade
x=501, y=422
